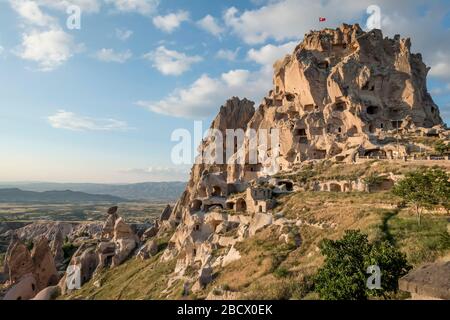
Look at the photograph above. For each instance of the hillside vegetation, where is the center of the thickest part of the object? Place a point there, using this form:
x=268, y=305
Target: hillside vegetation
x=272, y=269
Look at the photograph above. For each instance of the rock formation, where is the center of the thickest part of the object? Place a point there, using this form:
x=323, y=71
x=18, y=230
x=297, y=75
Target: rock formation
x=429, y=282
x=28, y=272
x=342, y=95
x=44, y=265
x=116, y=243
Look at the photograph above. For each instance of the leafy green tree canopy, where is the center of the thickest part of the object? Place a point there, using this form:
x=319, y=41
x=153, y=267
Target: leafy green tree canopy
x=424, y=188
x=344, y=273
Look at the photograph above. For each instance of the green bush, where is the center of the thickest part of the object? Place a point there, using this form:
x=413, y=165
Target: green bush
x=68, y=249
x=281, y=272
x=441, y=147
x=343, y=275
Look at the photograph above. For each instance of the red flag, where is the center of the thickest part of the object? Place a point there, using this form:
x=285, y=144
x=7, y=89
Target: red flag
x=321, y=19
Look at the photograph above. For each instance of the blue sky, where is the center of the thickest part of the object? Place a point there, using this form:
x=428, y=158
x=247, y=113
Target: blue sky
x=99, y=104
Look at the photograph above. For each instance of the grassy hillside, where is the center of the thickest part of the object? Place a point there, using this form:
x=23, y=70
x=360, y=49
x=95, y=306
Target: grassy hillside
x=270, y=269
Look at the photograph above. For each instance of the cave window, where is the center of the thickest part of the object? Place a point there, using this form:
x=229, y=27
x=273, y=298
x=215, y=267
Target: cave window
x=290, y=97
x=323, y=65
x=196, y=205
x=381, y=125
x=300, y=135
x=397, y=124
x=216, y=191
x=340, y=106
x=194, y=252
x=372, y=110
x=33, y=287
x=340, y=129
x=197, y=227
x=300, y=132
x=309, y=107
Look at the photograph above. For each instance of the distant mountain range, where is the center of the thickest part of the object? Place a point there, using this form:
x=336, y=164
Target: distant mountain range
x=67, y=196
x=148, y=191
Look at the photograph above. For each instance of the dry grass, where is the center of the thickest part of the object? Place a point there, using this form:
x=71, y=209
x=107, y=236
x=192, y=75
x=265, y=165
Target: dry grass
x=271, y=269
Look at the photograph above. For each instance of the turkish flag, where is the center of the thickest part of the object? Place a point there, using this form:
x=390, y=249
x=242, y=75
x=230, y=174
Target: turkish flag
x=321, y=19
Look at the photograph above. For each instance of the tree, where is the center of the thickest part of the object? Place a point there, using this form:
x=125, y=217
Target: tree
x=441, y=147
x=343, y=275
x=441, y=189
x=424, y=189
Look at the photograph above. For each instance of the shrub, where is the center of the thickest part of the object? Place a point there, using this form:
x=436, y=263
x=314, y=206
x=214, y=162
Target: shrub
x=69, y=249
x=441, y=147
x=281, y=272
x=343, y=275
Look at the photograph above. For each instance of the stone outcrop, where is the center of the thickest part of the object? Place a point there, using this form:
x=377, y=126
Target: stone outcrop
x=18, y=261
x=149, y=249
x=116, y=243
x=56, y=248
x=125, y=241
x=165, y=215
x=429, y=282
x=344, y=95
x=44, y=265
x=24, y=289
x=108, y=227
x=29, y=272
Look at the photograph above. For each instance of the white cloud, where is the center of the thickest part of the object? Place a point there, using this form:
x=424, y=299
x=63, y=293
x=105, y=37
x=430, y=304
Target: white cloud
x=123, y=34
x=170, y=22
x=209, y=24
x=109, y=55
x=71, y=121
x=203, y=97
x=227, y=54
x=49, y=49
x=144, y=7
x=86, y=6
x=236, y=78
x=171, y=62
x=1, y=50
x=270, y=53
x=43, y=40
x=441, y=66
x=31, y=13
x=290, y=19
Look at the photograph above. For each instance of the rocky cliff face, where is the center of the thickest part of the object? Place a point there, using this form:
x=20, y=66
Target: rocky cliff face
x=343, y=93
